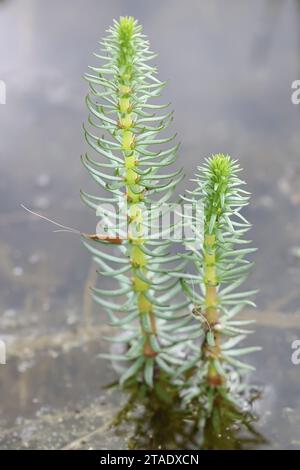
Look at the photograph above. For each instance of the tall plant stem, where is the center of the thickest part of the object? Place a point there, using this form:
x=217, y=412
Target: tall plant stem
x=211, y=352
x=134, y=192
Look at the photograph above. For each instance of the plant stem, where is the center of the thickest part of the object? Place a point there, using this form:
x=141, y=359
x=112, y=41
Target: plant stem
x=134, y=192
x=222, y=267
x=211, y=352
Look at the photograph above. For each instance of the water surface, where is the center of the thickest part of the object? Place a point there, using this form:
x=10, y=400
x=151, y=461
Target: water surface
x=230, y=69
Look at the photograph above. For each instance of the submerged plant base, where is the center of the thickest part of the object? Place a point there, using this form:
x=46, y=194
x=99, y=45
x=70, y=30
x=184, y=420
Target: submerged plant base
x=157, y=419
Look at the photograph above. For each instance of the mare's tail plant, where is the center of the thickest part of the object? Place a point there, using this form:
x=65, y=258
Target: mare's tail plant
x=220, y=268
x=126, y=132
x=130, y=166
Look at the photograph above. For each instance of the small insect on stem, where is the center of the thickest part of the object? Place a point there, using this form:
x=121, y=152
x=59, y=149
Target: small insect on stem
x=197, y=313
x=65, y=228
x=94, y=236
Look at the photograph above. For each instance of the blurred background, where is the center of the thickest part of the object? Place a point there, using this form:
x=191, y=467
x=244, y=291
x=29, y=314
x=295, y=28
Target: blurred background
x=230, y=67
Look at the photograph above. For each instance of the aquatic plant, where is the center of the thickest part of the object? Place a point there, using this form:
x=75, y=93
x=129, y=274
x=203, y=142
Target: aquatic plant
x=220, y=268
x=158, y=335
x=132, y=171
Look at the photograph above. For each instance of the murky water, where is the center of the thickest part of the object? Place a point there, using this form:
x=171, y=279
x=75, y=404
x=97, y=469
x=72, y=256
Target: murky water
x=231, y=68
